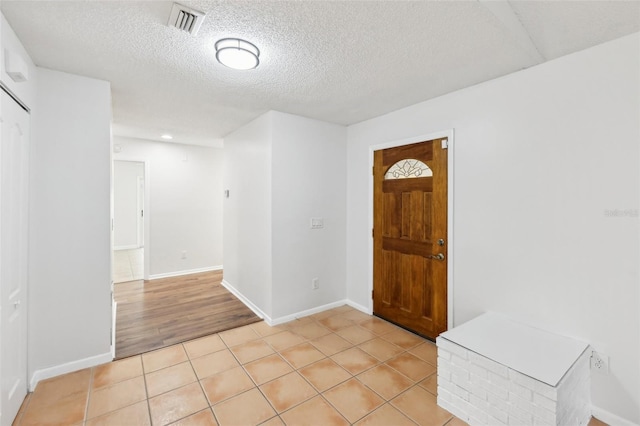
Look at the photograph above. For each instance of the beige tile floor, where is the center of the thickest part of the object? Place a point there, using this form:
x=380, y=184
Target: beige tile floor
x=337, y=367
x=128, y=265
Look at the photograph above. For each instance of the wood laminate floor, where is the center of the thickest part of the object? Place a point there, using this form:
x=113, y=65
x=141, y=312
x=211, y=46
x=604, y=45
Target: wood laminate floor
x=159, y=313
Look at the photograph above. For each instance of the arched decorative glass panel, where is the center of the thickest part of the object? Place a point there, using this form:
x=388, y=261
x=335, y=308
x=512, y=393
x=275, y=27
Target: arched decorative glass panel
x=409, y=168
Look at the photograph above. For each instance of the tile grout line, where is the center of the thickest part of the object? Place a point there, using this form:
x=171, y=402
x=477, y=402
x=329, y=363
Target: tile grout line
x=276, y=378
x=321, y=393
x=228, y=348
x=256, y=386
x=110, y=386
x=88, y=402
x=335, y=408
x=146, y=390
x=276, y=351
x=303, y=340
x=353, y=376
x=199, y=380
x=400, y=410
x=171, y=390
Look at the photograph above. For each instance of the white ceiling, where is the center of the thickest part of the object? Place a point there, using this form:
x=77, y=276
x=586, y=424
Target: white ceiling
x=337, y=61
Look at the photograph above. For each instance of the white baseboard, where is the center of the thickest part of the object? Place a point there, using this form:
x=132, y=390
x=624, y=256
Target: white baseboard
x=291, y=317
x=129, y=247
x=185, y=272
x=307, y=312
x=246, y=301
x=69, y=367
x=610, y=418
x=359, y=307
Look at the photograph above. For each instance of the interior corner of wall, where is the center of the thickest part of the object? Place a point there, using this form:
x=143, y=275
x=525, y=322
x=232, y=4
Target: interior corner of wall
x=610, y=418
x=45, y=373
x=256, y=310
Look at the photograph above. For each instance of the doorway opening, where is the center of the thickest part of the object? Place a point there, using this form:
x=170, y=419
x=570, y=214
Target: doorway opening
x=151, y=311
x=128, y=221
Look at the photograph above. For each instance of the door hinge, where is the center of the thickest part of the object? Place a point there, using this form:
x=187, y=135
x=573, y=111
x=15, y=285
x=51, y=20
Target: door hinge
x=373, y=170
x=141, y=213
x=445, y=143
x=372, y=294
x=373, y=233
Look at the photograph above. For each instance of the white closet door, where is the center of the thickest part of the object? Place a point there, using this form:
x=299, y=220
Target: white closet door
x=14, y=156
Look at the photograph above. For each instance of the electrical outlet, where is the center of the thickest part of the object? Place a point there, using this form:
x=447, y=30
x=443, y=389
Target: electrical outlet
x=599, y=363
x=315, y=283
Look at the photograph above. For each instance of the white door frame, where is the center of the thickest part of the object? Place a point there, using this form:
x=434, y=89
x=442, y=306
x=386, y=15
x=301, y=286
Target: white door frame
x=449, y=134
x=140, y=206
x=147, y=208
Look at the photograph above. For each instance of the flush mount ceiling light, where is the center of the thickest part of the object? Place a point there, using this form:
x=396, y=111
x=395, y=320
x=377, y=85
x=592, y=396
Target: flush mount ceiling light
x=237, y=54
x=167, y=137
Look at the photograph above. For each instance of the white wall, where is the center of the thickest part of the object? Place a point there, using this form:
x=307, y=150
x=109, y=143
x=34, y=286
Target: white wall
x=126, y=217
x=540, y=157
x=185, y=204
x=282, y=170
x=247, y=212
x=26, y=91
x=70, y=271
x=309, y=180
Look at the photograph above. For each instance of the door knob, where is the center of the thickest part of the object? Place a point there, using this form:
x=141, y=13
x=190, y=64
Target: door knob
x=438, y=256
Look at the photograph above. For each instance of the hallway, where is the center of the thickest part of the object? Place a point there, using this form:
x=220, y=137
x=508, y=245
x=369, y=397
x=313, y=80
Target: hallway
x=153, y=314
x=128, y=265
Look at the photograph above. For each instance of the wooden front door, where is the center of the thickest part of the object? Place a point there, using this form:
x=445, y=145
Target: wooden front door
x=410, y=236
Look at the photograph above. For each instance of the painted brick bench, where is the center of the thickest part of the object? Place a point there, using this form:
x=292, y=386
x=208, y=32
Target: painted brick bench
x=495, y=371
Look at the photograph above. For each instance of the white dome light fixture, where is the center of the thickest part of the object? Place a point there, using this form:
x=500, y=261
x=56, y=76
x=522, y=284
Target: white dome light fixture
x=237, y=54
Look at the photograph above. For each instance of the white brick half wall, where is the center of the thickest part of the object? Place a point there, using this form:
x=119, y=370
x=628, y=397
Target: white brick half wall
x=483, y=390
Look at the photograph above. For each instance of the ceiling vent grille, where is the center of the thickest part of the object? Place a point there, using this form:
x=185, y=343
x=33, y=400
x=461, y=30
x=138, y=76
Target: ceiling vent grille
x=185, y=19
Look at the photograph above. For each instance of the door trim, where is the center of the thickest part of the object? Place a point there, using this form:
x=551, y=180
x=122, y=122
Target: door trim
x=140, y=207
x=449, y=134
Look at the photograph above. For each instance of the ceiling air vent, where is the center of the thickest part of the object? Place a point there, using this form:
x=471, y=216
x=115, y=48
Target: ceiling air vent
x=185, y=18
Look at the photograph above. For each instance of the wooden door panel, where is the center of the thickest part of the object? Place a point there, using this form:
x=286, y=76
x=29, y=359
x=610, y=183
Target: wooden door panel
x=406, y=246
x=409, y=220
x=384, y=299
x=426, y=216
x=417, y=217
x=405, y=214
x=393, y=155
x=427, y=292
x=405, y=291
x=391, y=224
x=408, y=185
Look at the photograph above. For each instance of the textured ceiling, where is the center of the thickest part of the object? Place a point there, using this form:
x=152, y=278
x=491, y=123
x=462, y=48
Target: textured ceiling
x=337, y=61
